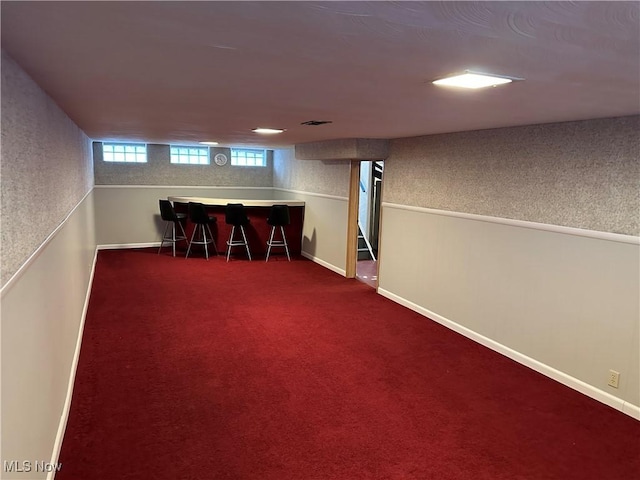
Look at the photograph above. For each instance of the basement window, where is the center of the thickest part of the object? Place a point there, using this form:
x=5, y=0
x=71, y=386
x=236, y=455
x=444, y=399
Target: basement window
x=248, y=157
x=190, y=155
x=124, y=152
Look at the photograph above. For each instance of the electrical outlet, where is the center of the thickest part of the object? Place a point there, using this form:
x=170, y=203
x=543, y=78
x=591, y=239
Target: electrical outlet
x=614, y=378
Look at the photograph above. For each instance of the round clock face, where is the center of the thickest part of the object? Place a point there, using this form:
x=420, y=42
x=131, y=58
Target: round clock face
x=220, y=159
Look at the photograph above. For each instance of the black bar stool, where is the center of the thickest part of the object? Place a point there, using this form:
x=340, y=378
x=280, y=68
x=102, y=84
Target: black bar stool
x=237, y=217
x=278, y=217
x=201, y=220
x=172, y=219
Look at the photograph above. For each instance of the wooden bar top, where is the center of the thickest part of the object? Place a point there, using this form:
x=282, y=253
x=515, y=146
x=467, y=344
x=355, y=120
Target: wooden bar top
x=245, y=201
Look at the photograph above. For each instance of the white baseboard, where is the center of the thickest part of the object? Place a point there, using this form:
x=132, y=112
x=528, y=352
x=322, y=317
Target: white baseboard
x=631, y=410
x=571, y=382
x=117, y=246
x=328, y=265
x=57, y=446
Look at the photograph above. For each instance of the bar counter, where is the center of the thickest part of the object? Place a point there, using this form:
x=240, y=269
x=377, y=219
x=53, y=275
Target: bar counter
x=221, y=202
x=257, y=231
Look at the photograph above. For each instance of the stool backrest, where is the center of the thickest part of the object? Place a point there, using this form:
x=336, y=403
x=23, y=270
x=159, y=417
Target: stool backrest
x=279, y=215
x=197, y=213
x=167, y=212
x=235, y=215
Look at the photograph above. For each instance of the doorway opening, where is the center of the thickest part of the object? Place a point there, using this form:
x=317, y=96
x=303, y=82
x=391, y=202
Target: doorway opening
x=369, y=198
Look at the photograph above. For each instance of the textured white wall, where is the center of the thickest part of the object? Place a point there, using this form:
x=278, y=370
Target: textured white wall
x=329, y=177
x=579, y=174
x=46, y=177
x=344, y=149
x=44, y=164
x=160, y=171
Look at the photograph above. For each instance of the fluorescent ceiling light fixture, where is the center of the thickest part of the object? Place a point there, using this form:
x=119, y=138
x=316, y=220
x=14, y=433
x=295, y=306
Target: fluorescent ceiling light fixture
x=208, y=143
x=267, y=130
x=474, y=80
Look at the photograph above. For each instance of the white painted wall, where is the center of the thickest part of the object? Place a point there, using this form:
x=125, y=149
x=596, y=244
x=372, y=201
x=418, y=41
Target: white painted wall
x=364, y=200
x=42, y=312
x=567, y=305
x=324, y=187
x=324, y=234
x=130, y=214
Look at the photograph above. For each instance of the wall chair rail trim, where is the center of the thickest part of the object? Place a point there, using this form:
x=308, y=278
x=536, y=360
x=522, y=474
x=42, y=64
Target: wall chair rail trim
x=581, y=232
x=313, y=194
x=199, y=187
x=25, y=265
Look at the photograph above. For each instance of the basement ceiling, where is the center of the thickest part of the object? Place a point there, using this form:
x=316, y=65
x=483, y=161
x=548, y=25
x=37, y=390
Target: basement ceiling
x=182, y=72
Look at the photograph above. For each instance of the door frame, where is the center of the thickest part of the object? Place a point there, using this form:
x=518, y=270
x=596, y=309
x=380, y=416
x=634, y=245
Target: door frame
x=352, y=219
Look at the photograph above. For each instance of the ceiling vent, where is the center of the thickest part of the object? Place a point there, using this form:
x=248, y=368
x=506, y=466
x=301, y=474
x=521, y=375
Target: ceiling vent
x=316, y=122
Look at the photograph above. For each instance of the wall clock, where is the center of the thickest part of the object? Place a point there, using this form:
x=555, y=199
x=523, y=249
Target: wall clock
x=220, y=159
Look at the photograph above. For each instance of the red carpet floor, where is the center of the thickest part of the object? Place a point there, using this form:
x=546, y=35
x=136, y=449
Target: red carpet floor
x=195, y=369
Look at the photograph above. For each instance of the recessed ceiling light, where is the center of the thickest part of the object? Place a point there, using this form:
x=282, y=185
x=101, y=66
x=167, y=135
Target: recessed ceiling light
x=267, y=130
x=474, y=80
x=208, y=143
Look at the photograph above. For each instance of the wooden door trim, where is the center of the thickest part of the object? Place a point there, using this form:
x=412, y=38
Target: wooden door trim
x=352, y=220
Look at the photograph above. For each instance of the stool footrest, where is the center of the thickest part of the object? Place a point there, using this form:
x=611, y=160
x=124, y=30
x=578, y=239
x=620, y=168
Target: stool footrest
x=199, y=237
x=237, y=243
x=277, y=243
x=172, y=238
